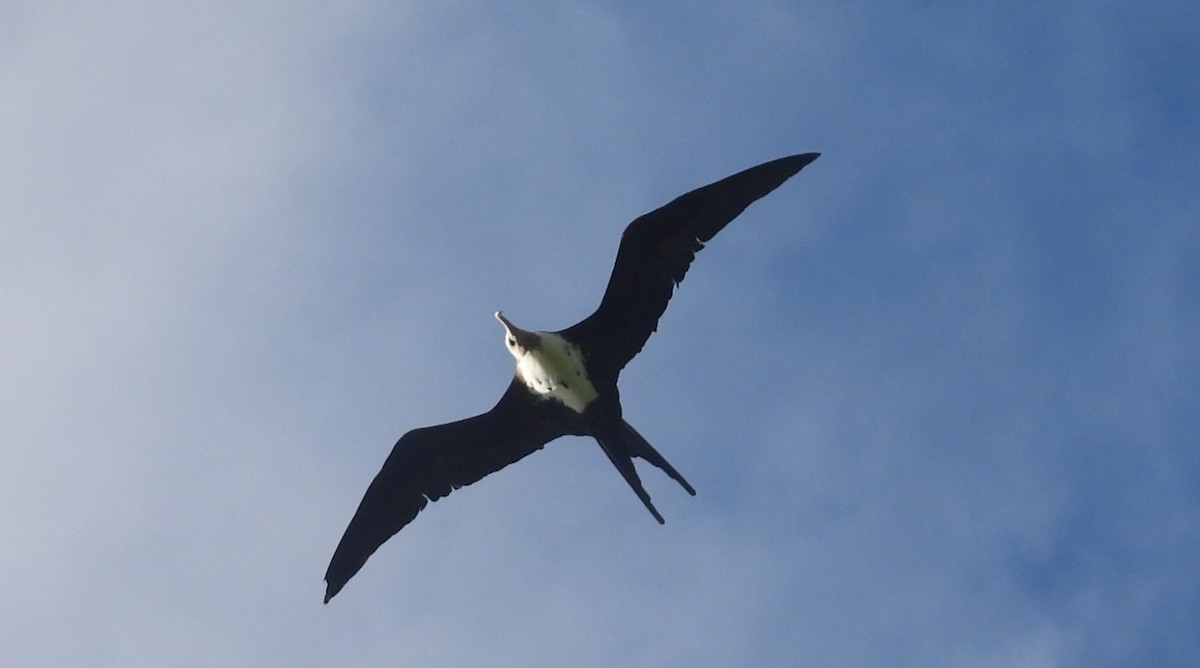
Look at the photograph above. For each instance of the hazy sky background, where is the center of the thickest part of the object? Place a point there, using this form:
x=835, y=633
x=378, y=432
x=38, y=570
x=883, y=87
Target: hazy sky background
x=938, y=393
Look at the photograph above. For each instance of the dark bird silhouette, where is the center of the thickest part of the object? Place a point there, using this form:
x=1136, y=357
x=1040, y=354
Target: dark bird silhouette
x=566, y=381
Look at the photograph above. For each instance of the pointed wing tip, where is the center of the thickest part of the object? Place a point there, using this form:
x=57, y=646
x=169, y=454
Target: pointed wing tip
x=803, y=159
x=786, y=167
x=335, y=582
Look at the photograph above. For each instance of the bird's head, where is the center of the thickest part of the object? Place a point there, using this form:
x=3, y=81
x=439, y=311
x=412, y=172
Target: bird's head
x=517, y=340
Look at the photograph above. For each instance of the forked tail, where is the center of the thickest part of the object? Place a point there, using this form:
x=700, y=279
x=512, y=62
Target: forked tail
x=625, y=444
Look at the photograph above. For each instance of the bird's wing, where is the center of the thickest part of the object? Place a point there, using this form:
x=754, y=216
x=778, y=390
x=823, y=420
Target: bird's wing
x=428, y=463
x=655, y=253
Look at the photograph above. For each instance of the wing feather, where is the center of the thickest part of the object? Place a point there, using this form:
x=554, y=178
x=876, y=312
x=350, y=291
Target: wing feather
x=429, y=463
x=655, y=253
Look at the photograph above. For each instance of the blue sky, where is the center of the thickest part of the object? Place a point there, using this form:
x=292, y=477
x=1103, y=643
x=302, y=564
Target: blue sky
x=937, y=392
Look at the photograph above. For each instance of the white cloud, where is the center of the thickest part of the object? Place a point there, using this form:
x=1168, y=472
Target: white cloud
x=940, y=417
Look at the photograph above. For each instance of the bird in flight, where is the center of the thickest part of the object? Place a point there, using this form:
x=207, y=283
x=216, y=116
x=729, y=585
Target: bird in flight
x=566, y=381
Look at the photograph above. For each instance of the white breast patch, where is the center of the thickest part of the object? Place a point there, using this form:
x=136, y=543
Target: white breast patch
x=556, y=371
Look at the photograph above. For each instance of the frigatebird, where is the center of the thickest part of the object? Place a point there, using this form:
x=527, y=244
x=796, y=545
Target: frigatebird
x=566, y=381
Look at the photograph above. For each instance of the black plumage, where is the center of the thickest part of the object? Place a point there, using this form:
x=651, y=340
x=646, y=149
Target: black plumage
x=654, y=255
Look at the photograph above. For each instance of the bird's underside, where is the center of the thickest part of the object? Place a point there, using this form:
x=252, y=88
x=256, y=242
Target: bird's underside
x=566, y=381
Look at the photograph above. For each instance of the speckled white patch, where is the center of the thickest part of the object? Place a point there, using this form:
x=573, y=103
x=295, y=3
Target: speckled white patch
x=556, y=370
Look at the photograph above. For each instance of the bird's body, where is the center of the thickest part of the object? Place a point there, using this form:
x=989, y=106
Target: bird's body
x=554, y=369
x=566, y=381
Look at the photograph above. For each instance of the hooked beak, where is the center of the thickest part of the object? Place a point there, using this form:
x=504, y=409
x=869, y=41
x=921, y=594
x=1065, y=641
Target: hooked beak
x=522, y=337
x=504, y=321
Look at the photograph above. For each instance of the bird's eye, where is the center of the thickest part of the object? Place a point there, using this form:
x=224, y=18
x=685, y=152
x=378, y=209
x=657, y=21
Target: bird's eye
x=512, y=341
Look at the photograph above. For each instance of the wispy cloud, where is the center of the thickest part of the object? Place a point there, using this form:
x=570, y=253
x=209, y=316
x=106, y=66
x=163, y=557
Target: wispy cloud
x=934, y=393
